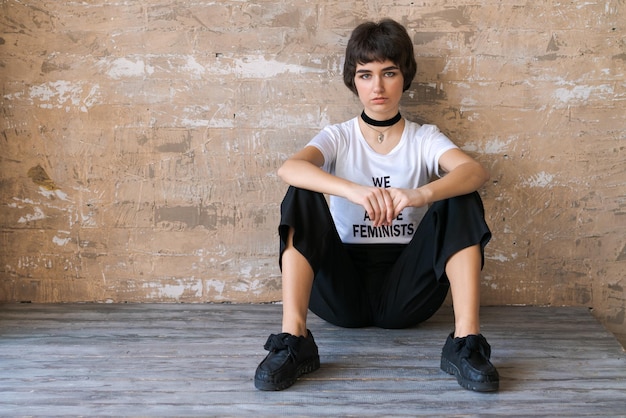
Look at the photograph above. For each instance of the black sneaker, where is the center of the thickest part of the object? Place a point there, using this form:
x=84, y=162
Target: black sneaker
x=468, y=359
x=290, y=357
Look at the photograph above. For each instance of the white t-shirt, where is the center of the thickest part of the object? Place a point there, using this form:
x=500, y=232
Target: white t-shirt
x=411, y=164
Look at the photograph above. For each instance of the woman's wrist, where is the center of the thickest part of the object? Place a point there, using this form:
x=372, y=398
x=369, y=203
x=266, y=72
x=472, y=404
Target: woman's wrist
x=424, y=196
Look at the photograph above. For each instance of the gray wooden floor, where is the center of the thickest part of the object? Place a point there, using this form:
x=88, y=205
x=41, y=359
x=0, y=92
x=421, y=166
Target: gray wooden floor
x=181, y=360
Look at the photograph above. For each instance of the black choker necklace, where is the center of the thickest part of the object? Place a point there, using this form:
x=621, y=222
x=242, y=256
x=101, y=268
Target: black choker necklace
x=374, y=122
x=382, y=123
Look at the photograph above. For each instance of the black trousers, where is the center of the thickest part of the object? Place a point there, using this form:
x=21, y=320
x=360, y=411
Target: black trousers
x=383, y=285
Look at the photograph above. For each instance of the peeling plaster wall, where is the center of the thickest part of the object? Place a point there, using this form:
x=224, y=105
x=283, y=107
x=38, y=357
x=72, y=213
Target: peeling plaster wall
x=140, y=140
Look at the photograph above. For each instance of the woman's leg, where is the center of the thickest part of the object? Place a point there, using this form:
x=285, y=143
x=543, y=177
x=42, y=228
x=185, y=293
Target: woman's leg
x=316, y=272
x=293, y=352
x=297, y=280
x=466, y=353
x=463, y=271
x=446, y=250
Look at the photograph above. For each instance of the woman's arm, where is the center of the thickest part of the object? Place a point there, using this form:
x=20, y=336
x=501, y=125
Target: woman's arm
x=303, y=170
x=464, y=175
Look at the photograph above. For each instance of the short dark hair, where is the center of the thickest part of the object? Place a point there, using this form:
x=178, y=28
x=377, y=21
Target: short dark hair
x=385, y=40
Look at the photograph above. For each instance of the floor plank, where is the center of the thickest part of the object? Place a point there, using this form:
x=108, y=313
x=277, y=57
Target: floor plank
x=199, y=360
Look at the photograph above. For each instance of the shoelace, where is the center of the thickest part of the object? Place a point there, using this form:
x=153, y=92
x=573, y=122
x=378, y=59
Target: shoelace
x=278, y=342
x=476, y=343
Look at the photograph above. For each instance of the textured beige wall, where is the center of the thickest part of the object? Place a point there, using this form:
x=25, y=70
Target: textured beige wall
x=140, y=140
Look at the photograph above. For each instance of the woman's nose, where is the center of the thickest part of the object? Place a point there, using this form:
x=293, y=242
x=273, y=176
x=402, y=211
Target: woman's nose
x=378, y=84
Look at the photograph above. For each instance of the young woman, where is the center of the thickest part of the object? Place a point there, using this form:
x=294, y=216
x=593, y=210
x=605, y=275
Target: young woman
x=392, y=242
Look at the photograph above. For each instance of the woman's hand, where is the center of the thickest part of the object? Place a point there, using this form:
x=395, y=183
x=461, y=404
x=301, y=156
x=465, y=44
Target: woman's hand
x=403, y=198
x=377, y=202
x=385, y=205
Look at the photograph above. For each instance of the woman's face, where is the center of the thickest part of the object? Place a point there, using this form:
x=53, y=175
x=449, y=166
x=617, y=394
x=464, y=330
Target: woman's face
x=380, y=86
